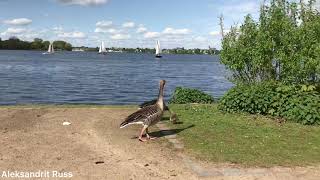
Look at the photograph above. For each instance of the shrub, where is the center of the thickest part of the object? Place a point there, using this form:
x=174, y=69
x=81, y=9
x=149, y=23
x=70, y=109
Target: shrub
x=296, y=103
x=186, y=95
x=282, y=44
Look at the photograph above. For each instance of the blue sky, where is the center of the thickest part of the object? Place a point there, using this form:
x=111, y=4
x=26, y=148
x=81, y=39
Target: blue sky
x=125, y=23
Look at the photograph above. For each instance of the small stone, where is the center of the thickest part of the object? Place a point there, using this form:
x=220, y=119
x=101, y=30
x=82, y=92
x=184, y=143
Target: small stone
x=99, y=162
x=146, y=165
x=66, y=123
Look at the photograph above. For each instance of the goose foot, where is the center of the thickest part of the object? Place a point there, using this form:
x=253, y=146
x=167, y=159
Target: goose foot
x=141, y=134
x=143, y=140
x=151, y=137
x=148, y=136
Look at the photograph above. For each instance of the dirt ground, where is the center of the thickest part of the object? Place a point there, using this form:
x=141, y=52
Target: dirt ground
x=93, y=147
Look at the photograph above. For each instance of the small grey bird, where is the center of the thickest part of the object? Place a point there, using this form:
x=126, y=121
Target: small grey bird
x=148, y=115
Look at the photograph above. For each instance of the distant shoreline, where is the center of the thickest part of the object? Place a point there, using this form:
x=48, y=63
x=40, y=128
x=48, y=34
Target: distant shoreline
x=34, y=50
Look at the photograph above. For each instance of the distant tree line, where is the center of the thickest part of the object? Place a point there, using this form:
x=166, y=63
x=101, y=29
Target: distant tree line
x=182, y=50
x=14, y=43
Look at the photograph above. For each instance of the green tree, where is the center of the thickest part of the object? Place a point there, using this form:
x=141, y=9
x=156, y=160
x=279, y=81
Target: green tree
x=37, y=44
x=282, y=46
x=62, y=45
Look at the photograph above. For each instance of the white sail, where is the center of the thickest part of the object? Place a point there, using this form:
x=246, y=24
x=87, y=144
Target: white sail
x=51, y=49
x=102, y=48
x=158, y=48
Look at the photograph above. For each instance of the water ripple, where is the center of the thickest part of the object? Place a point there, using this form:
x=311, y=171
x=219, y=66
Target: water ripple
x=86, y=77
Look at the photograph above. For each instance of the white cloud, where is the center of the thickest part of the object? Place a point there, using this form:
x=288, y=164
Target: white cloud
x=19, y=21
x=317, y=5
x=104, y=24
x=237, y=11
x=57, y=29
x=105, y=27
x=218, y=33
x=74, y=34
x=22, y=33
x=83, y=2
x=215, y=33
x=150, y=35
x=120, y=36
x=113, y=31
x=141, y=29
x=172, y=31
x=128, y=24
x=102, y=30
x=200, y=39
x=13, y=31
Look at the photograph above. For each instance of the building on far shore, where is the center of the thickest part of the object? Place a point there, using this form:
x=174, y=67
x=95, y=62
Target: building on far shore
x=81, y=49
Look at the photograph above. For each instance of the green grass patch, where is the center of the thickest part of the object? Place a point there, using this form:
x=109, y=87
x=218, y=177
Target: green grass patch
x=244, y=139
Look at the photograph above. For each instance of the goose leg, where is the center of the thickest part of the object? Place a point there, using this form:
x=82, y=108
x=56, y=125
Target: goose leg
x=141, y=134
x=148, y=136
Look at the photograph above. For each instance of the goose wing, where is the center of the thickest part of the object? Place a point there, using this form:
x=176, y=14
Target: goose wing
x=152, y=102
x=148, y=103
x=146, y=115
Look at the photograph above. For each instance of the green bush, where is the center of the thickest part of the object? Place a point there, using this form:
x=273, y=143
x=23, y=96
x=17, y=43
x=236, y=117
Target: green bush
x=186, y=95
x=296, y=103
x=283, y=44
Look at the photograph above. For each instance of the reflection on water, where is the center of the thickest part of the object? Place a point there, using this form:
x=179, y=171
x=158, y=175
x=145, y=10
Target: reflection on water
x=117, y=78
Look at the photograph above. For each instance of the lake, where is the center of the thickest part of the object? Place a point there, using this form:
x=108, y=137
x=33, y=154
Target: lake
x=28, y=77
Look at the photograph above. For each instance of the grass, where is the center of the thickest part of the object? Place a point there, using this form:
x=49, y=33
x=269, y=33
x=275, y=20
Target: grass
x=246, y=139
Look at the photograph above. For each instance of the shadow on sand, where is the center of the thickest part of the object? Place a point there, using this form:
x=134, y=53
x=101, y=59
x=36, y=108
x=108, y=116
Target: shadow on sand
x=163, y=133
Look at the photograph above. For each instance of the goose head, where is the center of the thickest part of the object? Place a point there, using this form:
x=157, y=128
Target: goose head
x=162, y=83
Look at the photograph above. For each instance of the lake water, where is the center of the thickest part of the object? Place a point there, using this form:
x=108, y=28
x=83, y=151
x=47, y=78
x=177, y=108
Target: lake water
x=28, y=77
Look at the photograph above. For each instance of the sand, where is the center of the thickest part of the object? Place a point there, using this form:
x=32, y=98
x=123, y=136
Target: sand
x=93, y=147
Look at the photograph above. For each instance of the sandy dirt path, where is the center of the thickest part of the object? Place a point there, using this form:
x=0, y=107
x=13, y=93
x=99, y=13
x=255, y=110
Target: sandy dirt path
x=34, y=139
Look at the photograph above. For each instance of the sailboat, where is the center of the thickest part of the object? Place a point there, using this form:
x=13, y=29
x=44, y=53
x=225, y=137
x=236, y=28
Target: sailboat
x=50, y=49
x=102, y=49
x=158, y=50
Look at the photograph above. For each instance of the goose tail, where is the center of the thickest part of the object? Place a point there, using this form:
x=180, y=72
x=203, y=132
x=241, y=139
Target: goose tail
x=124, y=124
